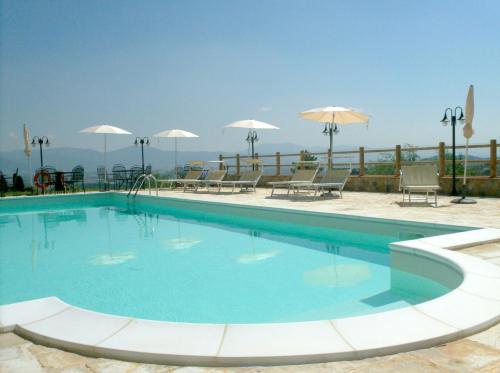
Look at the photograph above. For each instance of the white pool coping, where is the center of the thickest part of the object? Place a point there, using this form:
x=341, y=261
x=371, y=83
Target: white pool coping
x=473, y=306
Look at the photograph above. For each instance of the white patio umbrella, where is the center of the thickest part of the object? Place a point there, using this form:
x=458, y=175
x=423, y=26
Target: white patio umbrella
x=252, y=125
x=175, y=133
x=27, y=150
x=105, y=129
x=331, y=116
x=468, y=132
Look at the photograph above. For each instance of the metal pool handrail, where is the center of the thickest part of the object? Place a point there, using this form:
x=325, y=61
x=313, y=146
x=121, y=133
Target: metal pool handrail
x=139, y=182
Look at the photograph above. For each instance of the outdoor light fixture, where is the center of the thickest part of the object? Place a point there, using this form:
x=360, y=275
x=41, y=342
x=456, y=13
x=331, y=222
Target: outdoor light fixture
x=453, y=114
x=43, y=140
x=142, y=141
x=252, y=138
x=141, y=179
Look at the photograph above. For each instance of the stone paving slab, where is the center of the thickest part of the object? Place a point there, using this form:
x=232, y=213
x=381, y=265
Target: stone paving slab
x=485, y=213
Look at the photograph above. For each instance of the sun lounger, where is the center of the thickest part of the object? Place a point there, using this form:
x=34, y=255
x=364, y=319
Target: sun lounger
x=331, y=180
x=213, y=178
x=191, y=178
x=247, y=180
x=301, y=176
x=419, y=179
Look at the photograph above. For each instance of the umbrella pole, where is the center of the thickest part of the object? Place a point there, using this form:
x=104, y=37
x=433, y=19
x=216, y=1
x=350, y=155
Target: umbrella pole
x=464, y=199
x=175, y=156
x=330, y=161
x=105, y=165
x=253, y=153
x=30, y=171
x=465, y=161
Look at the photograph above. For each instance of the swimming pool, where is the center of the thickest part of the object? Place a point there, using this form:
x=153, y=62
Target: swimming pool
x=192, y=262
x=235, y=285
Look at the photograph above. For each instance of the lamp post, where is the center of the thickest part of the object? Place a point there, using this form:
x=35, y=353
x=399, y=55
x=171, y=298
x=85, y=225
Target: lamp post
x=142, y=141
x=43, y=140
x=252, y=138
x=445, y=121
x=330, y=129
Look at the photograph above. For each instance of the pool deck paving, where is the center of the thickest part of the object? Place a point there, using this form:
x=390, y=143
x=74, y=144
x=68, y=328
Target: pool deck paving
x=485, y=213
x=476, y=353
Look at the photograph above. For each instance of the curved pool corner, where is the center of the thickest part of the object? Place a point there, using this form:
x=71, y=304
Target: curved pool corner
x=472, y=306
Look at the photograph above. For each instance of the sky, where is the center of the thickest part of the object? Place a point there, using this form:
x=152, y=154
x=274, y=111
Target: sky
x=148, y=66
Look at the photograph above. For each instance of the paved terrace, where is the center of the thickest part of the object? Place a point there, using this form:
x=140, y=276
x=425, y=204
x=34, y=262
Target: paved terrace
x=477, y=353
x=485, y=213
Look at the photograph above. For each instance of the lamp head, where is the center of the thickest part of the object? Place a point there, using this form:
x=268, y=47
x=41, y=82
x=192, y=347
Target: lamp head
x=461, y=118
x=445, y=119
x=33, y=141
x=47, y=143
x=147, y=141
x=325, y=131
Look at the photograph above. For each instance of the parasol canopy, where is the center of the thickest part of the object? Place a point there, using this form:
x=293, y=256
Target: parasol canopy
x=252, y=124
x=105, y=129
x=331, y=116
x=175, y=133
x=335, y=114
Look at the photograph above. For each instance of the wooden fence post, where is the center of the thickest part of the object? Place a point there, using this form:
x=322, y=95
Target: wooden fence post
x=301, y=159
x=278, y=164
x=238, y=165
x=398, y=160
x=493, y=158
x=362, y=161
x=221, y=165
x=441, y=159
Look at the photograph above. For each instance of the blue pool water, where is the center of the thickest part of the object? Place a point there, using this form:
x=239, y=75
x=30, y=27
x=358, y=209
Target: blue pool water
x=195, y=262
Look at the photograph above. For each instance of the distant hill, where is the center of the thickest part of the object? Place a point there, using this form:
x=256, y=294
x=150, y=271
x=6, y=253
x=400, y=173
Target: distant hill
x=67, y=158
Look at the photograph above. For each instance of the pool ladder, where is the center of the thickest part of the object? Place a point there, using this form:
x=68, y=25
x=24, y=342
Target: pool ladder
x=140, y=181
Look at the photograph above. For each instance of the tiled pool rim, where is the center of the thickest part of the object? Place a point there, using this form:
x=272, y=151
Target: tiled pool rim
x=471, y=307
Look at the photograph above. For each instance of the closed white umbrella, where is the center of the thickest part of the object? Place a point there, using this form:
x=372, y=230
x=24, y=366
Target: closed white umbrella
x=27, y=150
x=468, y=133
x=105, y=129
x=252, y=125
x=331, y=116
x=175, y=133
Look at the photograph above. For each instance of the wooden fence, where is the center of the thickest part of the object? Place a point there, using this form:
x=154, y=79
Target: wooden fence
x=359, y=161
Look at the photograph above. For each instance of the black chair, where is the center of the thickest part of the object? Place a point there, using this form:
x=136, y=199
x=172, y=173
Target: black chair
x=76, y=178
x=135, y=172
x=119, y=173
x=102, y=178
x=4, y=187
